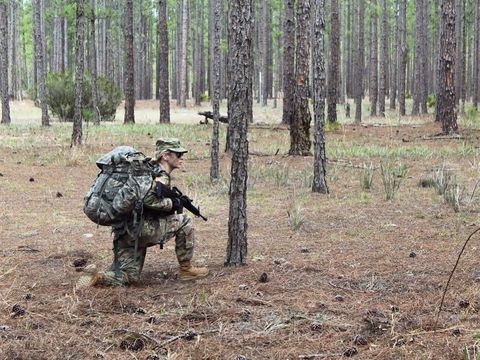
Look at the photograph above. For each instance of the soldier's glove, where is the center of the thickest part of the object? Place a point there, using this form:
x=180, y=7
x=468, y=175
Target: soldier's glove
x=177, y=205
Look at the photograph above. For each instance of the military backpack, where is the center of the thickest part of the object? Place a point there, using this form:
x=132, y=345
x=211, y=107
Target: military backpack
x=119, y=189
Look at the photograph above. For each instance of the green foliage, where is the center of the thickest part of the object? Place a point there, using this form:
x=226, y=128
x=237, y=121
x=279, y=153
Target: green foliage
x=431, y=100
x=471, y=114
x=295, y=218
x=366, y=179
x=332, y=126
x=109, y=97
x=392, y=176
x=61, y=97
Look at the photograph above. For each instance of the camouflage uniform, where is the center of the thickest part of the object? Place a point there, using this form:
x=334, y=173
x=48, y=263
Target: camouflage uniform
x=159, y=226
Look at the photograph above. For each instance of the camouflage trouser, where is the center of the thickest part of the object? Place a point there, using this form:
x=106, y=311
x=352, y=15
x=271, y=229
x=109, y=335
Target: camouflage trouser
x=154, y=231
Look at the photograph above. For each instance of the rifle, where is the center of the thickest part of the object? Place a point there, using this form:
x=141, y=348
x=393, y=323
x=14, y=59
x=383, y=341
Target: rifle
x=175, y=193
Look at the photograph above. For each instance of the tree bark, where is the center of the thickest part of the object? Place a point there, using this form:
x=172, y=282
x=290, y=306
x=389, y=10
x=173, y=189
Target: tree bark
x=394, y=67
x=419, y=53
x=320, y=159
x=333, y=77
x=183, y=60
x=79, y=66
x=240, y=62
x=382, y=86
x=476, y=77
x=402, y=63
x=373, y=91
x=162, y=60
x=446, y=96
x=39, y=55
x=214, y=169
x=288, y=62
x=129, y=65
x=300, y=127
x=96, y=111
x=4, y=63
x=360, y=62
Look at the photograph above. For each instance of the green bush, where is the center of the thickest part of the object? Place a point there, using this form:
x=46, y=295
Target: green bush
x=431, y=100
x=109, y=97
x=61, y=97
x=471, y=114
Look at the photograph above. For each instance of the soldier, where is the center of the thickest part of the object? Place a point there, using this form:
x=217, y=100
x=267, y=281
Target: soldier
x=163, y=219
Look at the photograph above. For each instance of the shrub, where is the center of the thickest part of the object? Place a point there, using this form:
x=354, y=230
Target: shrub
x=366, y=179
x=392, y=176
x=109, y=97
x=61, y=97
x=431, y=100
x=471, y=114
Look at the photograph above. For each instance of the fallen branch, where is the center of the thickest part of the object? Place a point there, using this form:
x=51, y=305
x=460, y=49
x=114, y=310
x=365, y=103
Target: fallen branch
x=316, y=356
x=189, y=334
x=339, y=287
x=451, y=275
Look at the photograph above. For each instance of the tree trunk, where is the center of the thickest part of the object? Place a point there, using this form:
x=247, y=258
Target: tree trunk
x=183, y=60
x=288, y=62
x=382, y=86
x=320, y=159
x=402, y=63
x=373, y=91
x=418, y=79
x=240, y=60
x=359, y=65
x=96, y=111
x=476, y=77
x=39, y=55
x=265, y=54
x=300, y=126
x=446, y=95
x=162, y=60
x=129, y=65
x=214, y=169
x=79, y=65
x=333, y=78
x=394, y=67
x=4, y=63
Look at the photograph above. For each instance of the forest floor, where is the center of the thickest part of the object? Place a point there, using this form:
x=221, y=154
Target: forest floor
x=348, y=274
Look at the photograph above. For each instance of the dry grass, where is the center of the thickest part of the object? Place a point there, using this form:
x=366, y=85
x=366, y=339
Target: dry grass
x=359, y=272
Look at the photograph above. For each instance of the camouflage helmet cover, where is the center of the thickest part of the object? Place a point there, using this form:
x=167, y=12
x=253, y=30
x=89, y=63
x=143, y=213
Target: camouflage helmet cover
x=168, y=144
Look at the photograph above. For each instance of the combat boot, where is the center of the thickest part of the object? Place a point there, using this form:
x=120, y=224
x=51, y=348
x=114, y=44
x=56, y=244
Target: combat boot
x=91, y=278
x=189, y=272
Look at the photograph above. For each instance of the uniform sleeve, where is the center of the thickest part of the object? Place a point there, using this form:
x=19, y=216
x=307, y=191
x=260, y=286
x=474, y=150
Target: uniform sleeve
x=152, y=202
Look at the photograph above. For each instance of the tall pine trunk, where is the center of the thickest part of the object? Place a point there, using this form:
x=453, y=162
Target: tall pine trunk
x=129, y=65
x=333, y=77
x=4, y=63
x=402, y=62
x=288, y=62
x=96, y=111
x=183, y=60
x=300, y=126
x=320, y=159
x=446, y=96
x=162, y=62
x=373, y=89
x=382, y=86
x=359, y=61
x=215, y=81
x=40, y=61
x=79, y=66
x=240, y=60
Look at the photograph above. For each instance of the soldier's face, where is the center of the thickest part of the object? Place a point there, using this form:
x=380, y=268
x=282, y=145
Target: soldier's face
x=174, y=160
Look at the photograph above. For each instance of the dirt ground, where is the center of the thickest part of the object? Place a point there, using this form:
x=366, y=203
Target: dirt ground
x=348, y=274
